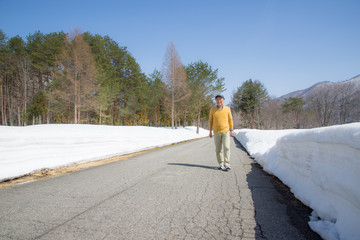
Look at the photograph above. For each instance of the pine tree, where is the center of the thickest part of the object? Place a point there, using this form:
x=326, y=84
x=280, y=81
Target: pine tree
x=156, y=96
x=204, y=83
x=295, y=107
x=248, y=98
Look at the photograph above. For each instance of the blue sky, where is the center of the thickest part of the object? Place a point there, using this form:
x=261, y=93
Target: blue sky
x=287, y=45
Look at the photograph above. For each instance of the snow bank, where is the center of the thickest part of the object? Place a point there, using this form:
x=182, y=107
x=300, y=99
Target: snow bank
x=322, y=168
x=24, y=150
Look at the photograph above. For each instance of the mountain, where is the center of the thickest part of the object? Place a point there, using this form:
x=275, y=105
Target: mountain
x=304, y=93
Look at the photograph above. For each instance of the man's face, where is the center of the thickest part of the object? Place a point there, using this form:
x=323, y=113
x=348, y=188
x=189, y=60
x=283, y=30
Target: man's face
x=219, y=101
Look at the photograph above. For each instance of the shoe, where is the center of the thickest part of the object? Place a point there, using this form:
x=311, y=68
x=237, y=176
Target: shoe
x=221, y=166
x=227, y=167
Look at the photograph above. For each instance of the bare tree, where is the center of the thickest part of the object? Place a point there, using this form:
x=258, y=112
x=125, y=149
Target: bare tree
x=175, y=75
x=24, y=77
x=355, y=106
x=273, y=116
x=345, y=91
x=322, y=102
x=76, y=75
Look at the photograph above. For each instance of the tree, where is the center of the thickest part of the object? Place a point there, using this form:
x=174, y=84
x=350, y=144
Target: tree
x=2, y=64
x=175, y=75
x=43, y=52
x=76, y=75
x=22, y=78
x=248, y=99
x=322, y=103
x=345, y=91
x=134, y=87
x=36, y=51
x=295, y=107
x=156, y=95
x=10, y=85
x=122, y=83
x=39, y=106
x=273, y=115
x=204, y=83
x=108, y=59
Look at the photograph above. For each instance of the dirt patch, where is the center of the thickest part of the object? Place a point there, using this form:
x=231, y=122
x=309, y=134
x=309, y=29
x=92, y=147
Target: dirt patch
x=48, y=173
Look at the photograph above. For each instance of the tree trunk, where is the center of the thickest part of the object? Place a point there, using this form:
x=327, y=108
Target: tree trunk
x=175, y=117
x=252, y=120
x=75, y=101
x=78, y=110
x=156, y=116
x=184, y=120
x=198, y=117
x=172, y=108
x=2, y=102
x=41, y=81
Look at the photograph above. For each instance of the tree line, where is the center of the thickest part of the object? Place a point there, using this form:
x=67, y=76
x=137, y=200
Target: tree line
x=88, y=78
x=328, y=104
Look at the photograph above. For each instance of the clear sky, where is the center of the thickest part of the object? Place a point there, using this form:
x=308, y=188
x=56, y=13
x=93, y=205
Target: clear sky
x=288, y=45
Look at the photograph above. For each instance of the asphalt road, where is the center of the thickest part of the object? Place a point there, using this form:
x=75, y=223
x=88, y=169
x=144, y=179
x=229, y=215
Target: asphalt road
x=171, y=193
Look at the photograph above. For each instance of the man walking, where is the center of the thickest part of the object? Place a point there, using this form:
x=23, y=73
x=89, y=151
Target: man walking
x=220, y=121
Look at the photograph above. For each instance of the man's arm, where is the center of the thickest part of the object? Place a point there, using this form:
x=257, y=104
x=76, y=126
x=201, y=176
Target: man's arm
x=231, y=124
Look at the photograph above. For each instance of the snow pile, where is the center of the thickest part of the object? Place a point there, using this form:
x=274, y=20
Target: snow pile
x=24, y=150
x=322, y=168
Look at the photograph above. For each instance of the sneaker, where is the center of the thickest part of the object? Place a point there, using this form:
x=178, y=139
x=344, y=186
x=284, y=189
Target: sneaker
x=227, y=167
x=221, y=166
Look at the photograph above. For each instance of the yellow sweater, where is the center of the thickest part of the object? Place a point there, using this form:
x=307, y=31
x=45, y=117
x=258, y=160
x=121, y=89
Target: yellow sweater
x=220, y=121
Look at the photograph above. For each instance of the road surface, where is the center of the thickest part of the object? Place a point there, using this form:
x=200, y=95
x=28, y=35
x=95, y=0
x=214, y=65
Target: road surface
x=172, y=193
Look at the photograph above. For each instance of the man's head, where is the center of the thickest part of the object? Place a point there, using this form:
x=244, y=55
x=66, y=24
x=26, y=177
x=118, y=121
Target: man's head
x=219, y=100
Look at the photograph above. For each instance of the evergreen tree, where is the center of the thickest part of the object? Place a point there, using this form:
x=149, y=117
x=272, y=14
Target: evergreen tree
x=295, y=107
x=156, y=96
x=38, y=107
x=133, y=98
x=122, y=82
x=35, y=47
x=248, y=99
x=204, y=84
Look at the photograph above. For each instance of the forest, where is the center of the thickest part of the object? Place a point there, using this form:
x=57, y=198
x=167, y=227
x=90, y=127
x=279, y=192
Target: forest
x=85, y=78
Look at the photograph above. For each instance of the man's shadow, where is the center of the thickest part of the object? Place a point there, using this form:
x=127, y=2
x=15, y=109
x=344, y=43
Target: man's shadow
x=193, y=165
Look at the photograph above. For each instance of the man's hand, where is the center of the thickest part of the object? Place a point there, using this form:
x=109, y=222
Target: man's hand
x=210, y=134
x=232, y=133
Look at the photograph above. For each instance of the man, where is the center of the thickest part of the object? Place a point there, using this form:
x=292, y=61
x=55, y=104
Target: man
x=220, y=121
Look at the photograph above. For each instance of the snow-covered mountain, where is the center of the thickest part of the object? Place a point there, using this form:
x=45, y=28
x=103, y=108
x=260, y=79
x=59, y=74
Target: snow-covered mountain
x=305, y=92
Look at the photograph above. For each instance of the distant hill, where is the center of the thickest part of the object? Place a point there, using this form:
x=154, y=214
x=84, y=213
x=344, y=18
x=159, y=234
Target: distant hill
x=304, y=93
